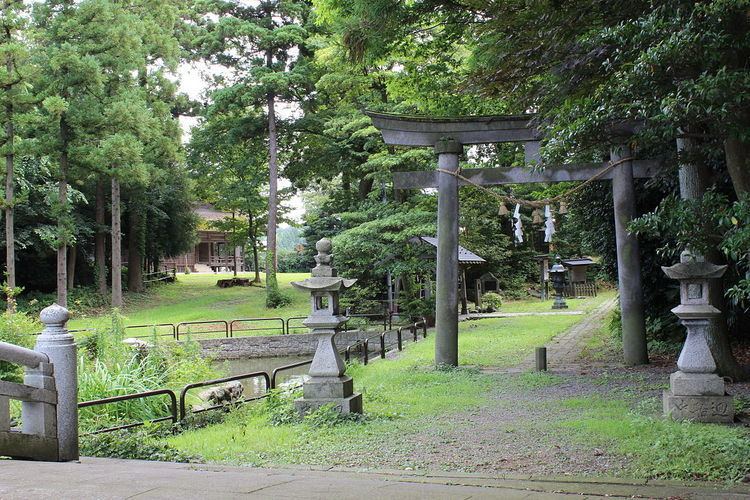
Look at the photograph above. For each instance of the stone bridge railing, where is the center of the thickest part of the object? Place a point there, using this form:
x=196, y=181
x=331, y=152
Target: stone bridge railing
x=49, y=394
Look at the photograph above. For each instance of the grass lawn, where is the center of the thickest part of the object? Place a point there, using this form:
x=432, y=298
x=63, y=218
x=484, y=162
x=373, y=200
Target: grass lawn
x=195, y=297
x=415, y=412
x=536, y=305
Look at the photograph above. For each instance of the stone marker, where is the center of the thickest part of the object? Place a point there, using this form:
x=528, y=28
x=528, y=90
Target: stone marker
x=327, y=383
x=695, y=391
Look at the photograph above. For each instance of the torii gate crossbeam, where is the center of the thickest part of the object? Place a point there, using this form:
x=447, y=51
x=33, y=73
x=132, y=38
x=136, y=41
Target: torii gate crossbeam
x=448, y=136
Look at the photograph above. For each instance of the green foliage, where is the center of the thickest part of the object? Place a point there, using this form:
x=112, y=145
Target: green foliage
x=19, y=329
x=276, y=299
x=492, y=301
x=327, y=417
x=293, y=262
x=701, y=226
x=142, y=443
x=108, y=367
x=664, y=448
x=279, y=407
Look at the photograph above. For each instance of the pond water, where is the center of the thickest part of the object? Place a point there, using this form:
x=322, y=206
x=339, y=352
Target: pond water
x=256, y=386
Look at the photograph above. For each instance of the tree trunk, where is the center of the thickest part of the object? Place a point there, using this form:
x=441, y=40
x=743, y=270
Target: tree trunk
x=116, y=245
x=10, y=238
x=62, y=191
x=235, y=246
x=364, y=188
x=694, y=180
x=135, y=249
x=254, y=242
x=738, y=163
x=100, y=255
x=72, y=257
x=271, y=260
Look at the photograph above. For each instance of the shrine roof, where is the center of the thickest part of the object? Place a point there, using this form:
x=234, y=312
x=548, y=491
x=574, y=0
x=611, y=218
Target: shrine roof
x=582, y=261
x=465, y=256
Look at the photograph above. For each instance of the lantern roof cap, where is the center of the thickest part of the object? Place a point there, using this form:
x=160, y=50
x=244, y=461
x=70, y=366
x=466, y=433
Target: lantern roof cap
x=693, y=266
x=324, y=284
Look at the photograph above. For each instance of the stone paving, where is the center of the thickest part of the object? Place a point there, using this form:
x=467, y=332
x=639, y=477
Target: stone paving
x=120, y=479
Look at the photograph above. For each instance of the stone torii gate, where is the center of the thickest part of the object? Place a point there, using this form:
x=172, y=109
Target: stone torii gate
x=448, y=136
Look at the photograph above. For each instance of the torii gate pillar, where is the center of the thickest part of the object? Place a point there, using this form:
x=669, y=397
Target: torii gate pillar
x=628, y=262
x=446, y=300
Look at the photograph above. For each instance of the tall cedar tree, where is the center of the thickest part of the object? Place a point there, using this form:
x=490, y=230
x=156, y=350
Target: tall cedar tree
x=15, y=101
x=260, y=43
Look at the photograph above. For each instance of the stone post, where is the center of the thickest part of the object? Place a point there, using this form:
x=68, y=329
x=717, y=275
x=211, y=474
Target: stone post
x=695, y=391
x=628, y=262
x=446, y=300
x=60, y=347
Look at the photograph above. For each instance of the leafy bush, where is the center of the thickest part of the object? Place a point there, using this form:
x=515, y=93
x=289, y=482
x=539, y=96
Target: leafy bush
x=276, y=299
x=327, y=416
x=81, y=301
x=492, y=301
x=16, y=328
x=279, y=406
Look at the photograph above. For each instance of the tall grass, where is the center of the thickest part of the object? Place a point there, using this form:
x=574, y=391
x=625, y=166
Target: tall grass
x=108, y=367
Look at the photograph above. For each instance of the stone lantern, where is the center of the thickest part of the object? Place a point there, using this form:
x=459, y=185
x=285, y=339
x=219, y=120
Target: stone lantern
x=327, y=383
x=557, y=275
x=695, y=391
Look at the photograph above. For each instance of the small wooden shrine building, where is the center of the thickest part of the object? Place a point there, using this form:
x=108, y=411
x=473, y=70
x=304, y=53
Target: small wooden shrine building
x=466, y=259
x=212, y=251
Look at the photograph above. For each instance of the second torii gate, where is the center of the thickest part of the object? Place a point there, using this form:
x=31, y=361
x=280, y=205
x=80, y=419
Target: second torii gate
x=448, y=136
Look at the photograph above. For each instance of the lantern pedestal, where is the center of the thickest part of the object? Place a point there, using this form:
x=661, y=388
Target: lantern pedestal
x=695, y=391
x=327, y=384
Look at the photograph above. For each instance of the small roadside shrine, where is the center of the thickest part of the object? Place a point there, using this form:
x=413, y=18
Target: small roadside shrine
x=466, y=259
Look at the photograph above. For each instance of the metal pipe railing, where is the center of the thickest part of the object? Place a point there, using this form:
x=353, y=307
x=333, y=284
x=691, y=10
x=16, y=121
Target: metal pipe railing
x=280, y=369
x=206, y=383
x=233, y=328
x=172, y=327
x=208, y=322
x=128, y=397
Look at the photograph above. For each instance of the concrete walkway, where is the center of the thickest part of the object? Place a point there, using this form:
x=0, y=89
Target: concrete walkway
x=120, y=479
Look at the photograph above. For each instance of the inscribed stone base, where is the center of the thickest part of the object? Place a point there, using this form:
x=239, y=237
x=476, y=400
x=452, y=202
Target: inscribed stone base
x=718, y=409
x=351, y=404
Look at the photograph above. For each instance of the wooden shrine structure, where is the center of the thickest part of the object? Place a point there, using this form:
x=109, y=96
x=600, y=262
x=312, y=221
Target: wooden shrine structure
x=448, y=136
